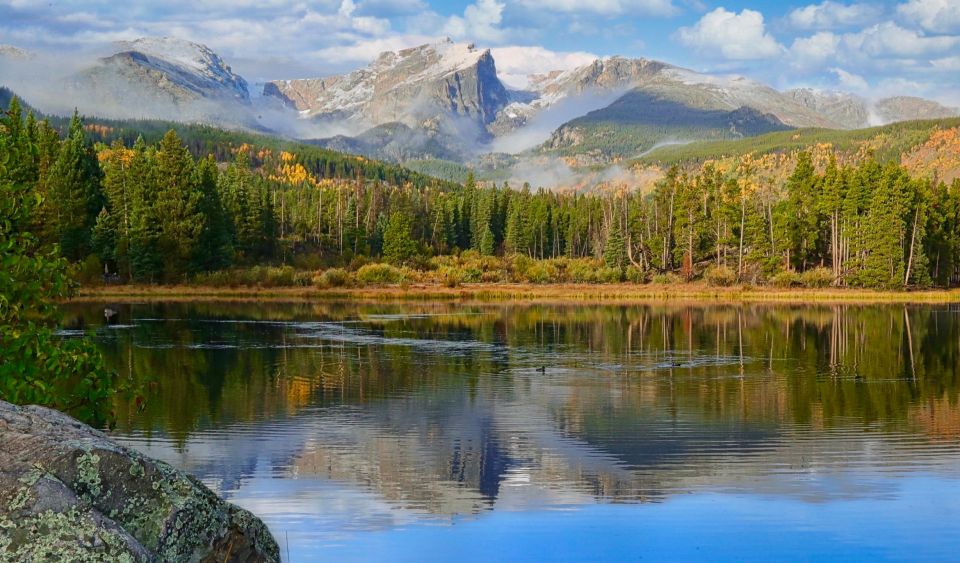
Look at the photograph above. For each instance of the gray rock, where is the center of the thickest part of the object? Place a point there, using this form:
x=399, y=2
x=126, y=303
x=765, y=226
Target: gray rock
x=68, y=493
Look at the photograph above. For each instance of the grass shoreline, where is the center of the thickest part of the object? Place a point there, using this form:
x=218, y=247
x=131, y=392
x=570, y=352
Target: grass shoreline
x=525, y=292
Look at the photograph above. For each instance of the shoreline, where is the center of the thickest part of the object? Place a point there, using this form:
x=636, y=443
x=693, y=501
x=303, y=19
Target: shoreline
x=530, y=293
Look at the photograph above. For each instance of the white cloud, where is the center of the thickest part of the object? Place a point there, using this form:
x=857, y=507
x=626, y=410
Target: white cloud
x=731, y=36
x=890, y=40
x=605, y=7
x=516, y=63
x=366, y=50
x=851, y=81
x=950, y=64
x=812, y=51
x=480, y=21
x=942, y=16
x=831, y=15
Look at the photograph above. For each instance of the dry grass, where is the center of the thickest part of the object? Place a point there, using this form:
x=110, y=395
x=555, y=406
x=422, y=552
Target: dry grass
x=519, y=292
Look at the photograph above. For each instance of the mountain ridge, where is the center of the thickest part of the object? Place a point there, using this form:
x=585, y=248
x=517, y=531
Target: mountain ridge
x=446, y=101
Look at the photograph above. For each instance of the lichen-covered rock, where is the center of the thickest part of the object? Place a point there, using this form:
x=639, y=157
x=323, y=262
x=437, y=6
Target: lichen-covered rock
x=68, y=493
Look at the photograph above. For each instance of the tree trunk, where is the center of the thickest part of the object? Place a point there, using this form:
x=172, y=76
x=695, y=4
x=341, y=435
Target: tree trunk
x=740, y=252
x=913, y=241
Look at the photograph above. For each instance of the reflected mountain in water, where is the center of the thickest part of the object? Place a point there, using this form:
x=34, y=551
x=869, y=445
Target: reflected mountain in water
x=384, y=414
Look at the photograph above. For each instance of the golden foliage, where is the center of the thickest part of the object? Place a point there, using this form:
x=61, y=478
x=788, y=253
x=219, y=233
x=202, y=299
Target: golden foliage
x=102, y=130
x=124, y=155
x=938, y=157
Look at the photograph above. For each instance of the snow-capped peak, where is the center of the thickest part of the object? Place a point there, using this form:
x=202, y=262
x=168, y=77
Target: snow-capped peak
x=191, y=57
x=185, y=53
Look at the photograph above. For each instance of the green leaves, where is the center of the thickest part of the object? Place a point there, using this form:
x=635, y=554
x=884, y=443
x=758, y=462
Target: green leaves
x=37, y=366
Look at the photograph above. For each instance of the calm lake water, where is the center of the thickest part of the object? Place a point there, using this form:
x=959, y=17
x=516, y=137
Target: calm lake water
x=433, y=431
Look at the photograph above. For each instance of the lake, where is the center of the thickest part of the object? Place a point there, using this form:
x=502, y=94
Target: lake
x=440, y=431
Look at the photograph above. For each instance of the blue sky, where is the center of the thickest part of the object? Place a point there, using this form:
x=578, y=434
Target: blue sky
x=871, y=48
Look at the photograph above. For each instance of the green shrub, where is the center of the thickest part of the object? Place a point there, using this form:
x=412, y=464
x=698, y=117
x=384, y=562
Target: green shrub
x=471, y=274
x=380, y=274
x=817, y=278
x=720, y=276
x=90, y=271
x=785, y=279
x=636, y=275
x=519, y=265
x=358, y=262
x=333, y=277
x=609, y=275
x=583, y=271
x=668, y=278
x=282, y=276
x=303, y=279
x=542, y=271
x=451, y=278
x=307, y=261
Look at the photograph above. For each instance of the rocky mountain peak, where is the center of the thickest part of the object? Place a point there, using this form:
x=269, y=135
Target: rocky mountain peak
x=14, y=53
x=409, y=86
x=188, y=58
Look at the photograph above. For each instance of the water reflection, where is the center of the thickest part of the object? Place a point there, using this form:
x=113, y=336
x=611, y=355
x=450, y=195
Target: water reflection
x=336, y=420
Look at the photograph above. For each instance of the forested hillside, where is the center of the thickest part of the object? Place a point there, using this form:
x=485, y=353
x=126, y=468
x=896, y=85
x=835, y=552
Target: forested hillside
x=152, y=210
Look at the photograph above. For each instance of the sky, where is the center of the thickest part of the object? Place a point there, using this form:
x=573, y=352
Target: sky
x=875, y=49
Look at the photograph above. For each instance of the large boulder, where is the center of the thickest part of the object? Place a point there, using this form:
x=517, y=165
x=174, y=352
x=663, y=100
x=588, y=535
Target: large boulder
x=69, y=493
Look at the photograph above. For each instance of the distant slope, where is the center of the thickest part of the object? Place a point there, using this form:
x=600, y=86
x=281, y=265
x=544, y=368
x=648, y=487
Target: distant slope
x=888, y=142
x=639, y=120
x=397, y=142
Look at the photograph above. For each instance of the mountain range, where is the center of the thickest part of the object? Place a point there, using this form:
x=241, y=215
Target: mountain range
x=446, y=101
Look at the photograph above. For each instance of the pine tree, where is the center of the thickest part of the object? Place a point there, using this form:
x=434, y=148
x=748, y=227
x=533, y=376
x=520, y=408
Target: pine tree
x=398, y=243
x=178, y=204
x=615, y=248
x=213, y=249
x=146, y=260
x=74, y=194
x=883, y=264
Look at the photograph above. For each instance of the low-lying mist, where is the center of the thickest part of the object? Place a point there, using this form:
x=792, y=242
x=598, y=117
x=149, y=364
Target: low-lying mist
x=539, y=128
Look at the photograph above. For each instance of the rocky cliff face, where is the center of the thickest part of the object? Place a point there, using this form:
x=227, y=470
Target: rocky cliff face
x=441, y=80
x=68, y=493
x=159, y=77
x=848, y=111
x=902, y=108
x=843, y=109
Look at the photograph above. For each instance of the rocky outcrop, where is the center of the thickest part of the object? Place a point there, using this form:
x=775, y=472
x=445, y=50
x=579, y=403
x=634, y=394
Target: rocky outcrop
x=163, y=78
x=845, y=110
x=902, y=108
x=445, y=79
x=68, y=493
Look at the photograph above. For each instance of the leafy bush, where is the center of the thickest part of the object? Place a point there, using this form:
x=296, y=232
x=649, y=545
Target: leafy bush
x=785, y=279
x=220, y=278
x=90, y=271
x=519, y=265
x=380, y=274
x=583, y=270
x=666, y=279
x=542, y=271
x=307, y=261
x=303, y=279
x=720, y=276
x=451, y=278
x=817, y=278
x=282, y=276
x=609, y=275
x=333, y=277
x=636, y=275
